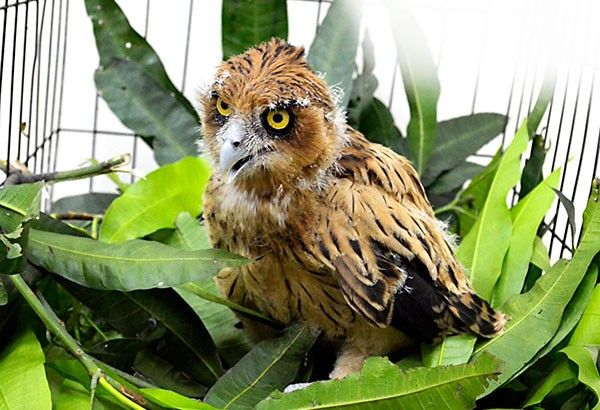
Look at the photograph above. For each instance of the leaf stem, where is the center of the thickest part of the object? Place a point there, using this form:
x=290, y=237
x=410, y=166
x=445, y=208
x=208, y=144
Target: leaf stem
x=104, y=167
x=54, y=325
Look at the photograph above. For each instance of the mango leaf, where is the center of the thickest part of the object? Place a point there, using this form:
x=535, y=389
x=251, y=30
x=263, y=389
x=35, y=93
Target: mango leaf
x=454, y=178
x=23, y=382
x=543, y=100
x=420, y=83
x=533, y=169
x=49, y=224
x=540, y=257
x=333, y=50
x=232, y=343
x=172, y=400
x=155, y=202
x=138, y=314
x=364, y=85
x=460, y=137
x=188, y=234
x=563, y=372
x=116, y=38
x=587, y=331
x=570, y=209
x=571, y=316
x=18, y=205
x=132, y=265
x=3, y=293
x=536, y=315
x=377, y=124
x=71, y=395
x=91, y=203
x=381, y=384
x=526, y=218
x=162, y=373
x=248, y=23
x=585, y=358
x=270, y=365
x=452, y=350
x=475, y=195
x=148, y=109
x=482, y=250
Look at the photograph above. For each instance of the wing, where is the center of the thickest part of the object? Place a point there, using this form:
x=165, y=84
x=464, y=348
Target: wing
x=379, y=236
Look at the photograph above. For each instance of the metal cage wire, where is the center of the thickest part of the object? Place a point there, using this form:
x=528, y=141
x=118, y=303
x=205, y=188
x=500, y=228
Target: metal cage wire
x=34, y=57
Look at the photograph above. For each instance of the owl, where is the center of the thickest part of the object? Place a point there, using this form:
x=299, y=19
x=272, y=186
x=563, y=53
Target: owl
x=339, y=231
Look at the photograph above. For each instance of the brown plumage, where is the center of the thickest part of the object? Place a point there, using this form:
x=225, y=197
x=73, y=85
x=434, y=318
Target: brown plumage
x=340, y=229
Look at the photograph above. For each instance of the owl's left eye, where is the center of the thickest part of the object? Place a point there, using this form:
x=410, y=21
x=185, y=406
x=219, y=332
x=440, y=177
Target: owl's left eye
x=278, y=122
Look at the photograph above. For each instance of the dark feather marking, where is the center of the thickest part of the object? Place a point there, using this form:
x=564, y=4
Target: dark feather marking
x=356, y=247
x=232, y=288
x=324, y=250
x=327, y=314
x=452, y=274
x=334, y=239
x=424, y=243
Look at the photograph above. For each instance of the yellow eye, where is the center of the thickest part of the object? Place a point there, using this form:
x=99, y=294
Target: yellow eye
x=278, y=119
x=223, y=108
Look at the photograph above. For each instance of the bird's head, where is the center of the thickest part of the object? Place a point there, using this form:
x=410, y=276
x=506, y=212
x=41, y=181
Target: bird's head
x=269, y=121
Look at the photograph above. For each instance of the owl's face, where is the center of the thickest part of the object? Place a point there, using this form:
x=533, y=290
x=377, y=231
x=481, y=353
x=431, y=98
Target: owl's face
x=269, y=121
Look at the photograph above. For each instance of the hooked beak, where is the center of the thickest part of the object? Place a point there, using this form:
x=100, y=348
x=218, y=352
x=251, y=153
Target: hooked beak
x=233, y=160
x=234, y=156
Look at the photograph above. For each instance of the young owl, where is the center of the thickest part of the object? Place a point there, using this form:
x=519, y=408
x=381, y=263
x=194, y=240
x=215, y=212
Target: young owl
x=339, y=230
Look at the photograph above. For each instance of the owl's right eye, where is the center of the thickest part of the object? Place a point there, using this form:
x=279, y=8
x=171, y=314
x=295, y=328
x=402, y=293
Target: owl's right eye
x=223, y=108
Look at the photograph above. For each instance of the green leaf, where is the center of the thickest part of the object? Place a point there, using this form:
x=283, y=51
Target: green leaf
x=162, y=373
x=115, y=38
x=536, y=315
x=454, y=178
x=333, y=50
x=203, y=296
x=587, y=331
x=452, y=350
x=23, y=382
x=232, y=342
x=526, y=218
x=540, y=257
x=172, y=400
x=18, y=205
x=382, y=385
x=420, y=83
x=248, y=23
x=132, y=265
x=570, y=209
x=148, y=109
x=270, y=365
x=73, y=396
x=458, y=138
x=377, y=124
x=135, y=315
x=482, y=250
x=474, y=196
x=155, y=202
x=563, y=372
x=3, y=294
x=91, y=203
x=23, y=200
x=543, y=100
x=585, y=359
x=533, y=169
x=364, y=85
x=572, y=313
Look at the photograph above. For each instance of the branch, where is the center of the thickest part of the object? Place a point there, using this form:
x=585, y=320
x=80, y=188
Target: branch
x=23, y=177
x=54, y=326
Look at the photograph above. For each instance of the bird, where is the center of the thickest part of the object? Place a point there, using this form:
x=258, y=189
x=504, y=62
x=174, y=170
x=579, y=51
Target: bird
x=339, y=231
